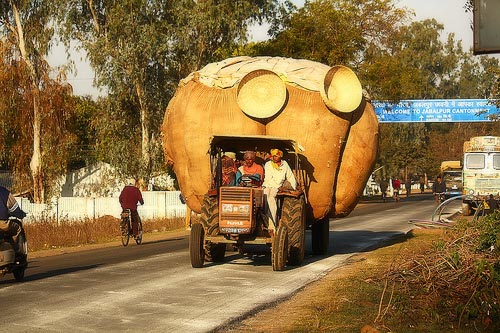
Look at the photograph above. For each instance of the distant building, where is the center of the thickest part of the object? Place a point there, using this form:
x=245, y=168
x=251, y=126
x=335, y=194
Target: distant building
x=98, y=180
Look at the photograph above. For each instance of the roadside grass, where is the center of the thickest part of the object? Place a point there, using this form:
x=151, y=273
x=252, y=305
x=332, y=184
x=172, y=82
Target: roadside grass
x=49, y=234
x=436, y=280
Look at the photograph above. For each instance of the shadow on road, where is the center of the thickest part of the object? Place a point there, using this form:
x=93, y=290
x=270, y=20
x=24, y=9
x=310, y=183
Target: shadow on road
x=48, y=274
x=341, y=242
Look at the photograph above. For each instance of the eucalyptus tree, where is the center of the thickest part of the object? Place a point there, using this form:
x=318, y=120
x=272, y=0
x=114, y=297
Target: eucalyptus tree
x=140, y=49
x=26, y=27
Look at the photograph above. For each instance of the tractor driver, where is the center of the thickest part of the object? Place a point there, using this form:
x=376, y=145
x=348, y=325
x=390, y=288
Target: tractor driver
x=278, y=176
x=250, y=173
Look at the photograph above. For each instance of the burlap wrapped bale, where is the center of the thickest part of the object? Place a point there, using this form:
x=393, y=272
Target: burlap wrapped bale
x=261, y=94
x=205, y=104
x=341, y=90
x=307, y=120
x=358, y=159
x=194, y=114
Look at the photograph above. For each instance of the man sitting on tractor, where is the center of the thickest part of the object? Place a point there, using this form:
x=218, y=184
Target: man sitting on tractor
x=278, y=176
x=250, y=173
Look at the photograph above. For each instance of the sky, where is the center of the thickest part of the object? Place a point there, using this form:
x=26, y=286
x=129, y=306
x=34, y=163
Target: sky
x=448, y=12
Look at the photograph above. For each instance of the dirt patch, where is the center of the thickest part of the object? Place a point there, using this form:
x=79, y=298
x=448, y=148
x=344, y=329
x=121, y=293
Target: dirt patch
x=353, y=298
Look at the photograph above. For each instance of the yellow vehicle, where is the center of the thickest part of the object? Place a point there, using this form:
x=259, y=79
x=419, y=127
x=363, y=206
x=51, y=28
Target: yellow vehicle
x=451, y=171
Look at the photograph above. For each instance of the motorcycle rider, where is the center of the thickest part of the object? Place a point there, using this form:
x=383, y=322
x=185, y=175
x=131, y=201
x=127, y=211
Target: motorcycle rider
x=129, y=198
x=10, y=207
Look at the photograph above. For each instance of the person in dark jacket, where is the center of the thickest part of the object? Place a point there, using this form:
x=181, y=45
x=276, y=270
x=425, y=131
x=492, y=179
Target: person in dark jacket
x=439, y=186
x=130, y=198
x=408, y=186
x=9, y=207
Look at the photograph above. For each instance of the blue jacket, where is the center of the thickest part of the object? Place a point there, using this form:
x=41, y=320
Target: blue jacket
x=9, y=206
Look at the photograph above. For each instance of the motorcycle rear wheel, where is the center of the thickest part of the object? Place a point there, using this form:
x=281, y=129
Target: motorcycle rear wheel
x=21, y=257
x=19, y=273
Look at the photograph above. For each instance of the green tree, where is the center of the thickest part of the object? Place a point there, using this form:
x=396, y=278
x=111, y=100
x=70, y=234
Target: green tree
x=140, y=50
x=55, y=107
x=83, y=128
x=395, y=59
x=333, y=32
x=26, y=30
x=412, y=64
x=404, y=149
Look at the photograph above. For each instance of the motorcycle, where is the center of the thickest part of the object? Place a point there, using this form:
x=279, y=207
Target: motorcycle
x=10, y=261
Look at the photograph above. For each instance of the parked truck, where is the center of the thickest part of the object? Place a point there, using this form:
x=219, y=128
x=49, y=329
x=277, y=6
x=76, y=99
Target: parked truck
x=316, y=114
x=451, y=171
x=481, y=171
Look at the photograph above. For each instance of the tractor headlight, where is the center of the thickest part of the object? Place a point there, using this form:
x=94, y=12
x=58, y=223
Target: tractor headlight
x=227, y=208
x=235, y=208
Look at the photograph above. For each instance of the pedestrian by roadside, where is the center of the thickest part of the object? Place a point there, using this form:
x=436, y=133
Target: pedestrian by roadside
x=384, y=184
x=422, y=184
x=408, y=186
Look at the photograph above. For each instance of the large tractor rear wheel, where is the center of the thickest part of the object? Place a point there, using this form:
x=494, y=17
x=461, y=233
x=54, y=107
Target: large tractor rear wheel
x=210, y=219
x=293, y=216
x=321, y=236
x=279, y=250
x=196, y=245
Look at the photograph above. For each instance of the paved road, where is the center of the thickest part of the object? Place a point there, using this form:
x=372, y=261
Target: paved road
x=152, y=287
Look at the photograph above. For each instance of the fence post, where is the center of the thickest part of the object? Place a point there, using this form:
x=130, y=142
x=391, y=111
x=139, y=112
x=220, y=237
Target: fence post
x=165, y=204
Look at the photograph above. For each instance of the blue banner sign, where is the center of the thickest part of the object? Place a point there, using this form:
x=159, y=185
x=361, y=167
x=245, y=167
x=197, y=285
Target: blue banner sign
x=435, y=110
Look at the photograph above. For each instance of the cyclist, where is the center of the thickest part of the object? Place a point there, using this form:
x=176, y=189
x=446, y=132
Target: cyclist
x=130, y=198
x=396, y=186
x=439, y=187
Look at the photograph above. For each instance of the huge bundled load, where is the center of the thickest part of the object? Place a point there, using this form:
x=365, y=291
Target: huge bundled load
x=320, y=107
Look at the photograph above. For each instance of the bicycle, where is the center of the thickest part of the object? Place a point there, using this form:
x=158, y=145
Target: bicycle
x=439, y=197
x=126, y=228
x=396, y=195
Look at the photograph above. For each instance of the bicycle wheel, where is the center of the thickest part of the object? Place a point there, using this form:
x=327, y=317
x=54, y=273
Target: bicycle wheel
x=125, y=232
x=138, y=239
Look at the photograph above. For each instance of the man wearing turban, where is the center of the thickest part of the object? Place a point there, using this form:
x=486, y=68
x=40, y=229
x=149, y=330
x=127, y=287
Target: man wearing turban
x=277, y=174
x=250, y=171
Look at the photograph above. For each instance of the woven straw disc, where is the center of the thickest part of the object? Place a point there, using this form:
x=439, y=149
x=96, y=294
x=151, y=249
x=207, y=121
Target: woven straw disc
x=261, y=93
x=341, y=90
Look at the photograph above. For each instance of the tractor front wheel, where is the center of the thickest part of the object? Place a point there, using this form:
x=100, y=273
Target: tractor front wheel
x=279, y=251
x=196, y=245
x=293, y=216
